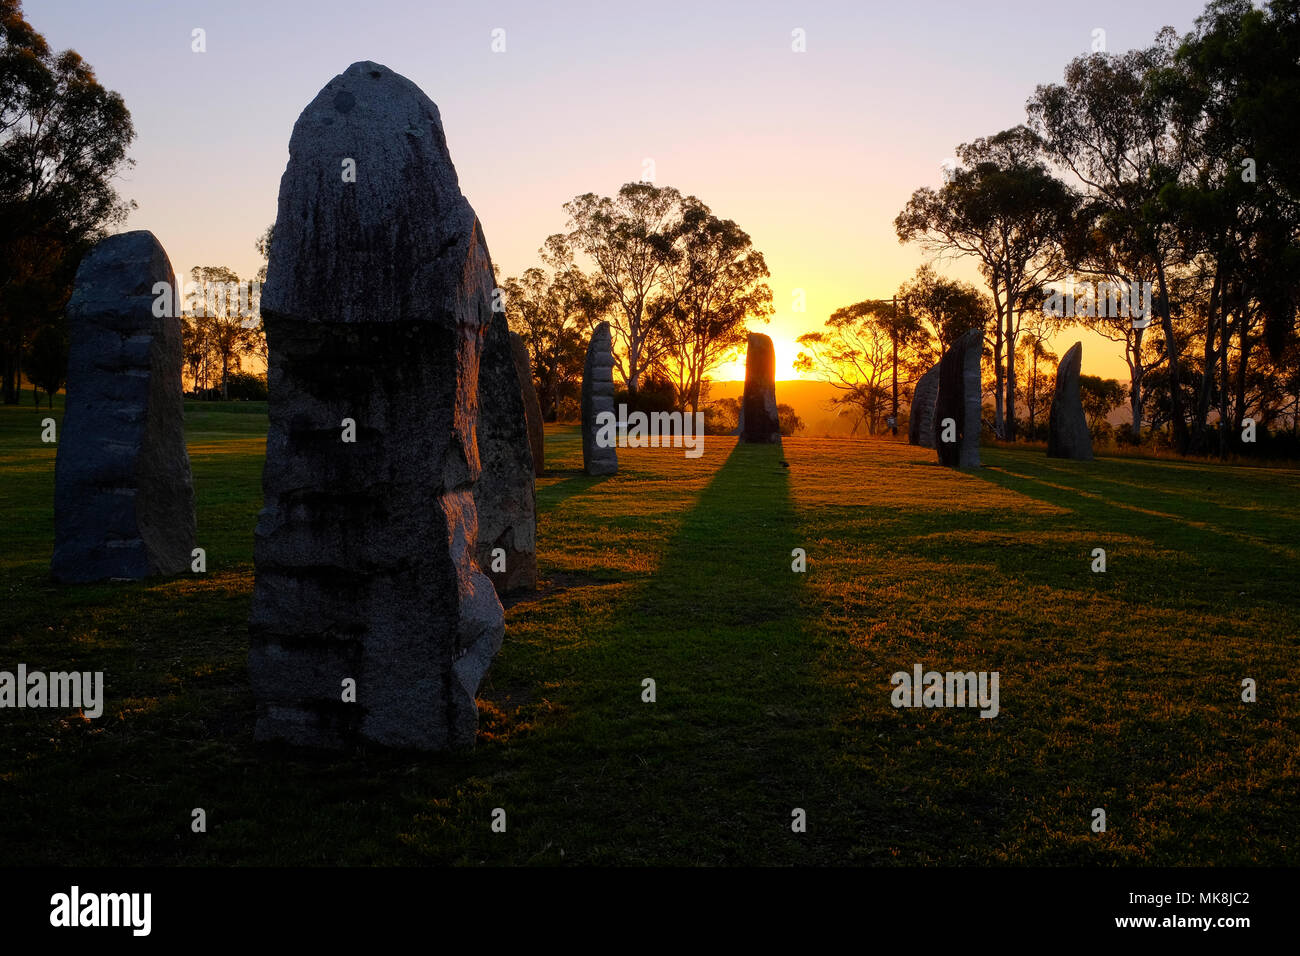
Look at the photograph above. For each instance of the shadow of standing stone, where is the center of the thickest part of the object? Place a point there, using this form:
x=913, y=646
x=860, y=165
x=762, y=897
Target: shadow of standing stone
x=123, y=495
x=1067, y=427
x=370, y=619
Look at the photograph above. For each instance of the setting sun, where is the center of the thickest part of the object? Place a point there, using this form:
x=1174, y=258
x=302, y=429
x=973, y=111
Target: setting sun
x=786, y=352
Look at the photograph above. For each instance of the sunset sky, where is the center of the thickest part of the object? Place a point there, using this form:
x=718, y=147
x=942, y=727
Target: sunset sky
x=813, y=153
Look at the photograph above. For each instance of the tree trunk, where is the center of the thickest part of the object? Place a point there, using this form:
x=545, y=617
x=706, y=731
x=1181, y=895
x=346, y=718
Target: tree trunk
x=633, y=373
x=1029, y=394
x=1199, y=438
x=894, y=427
x=1011, y=376
x=1178, y=422
x=1243, y=343
x=998, y=427
x=1225, y=384
x=1135, y=375
x=9, y=357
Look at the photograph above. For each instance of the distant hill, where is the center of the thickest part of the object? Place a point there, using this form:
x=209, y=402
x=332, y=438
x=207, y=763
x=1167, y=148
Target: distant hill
x=811, y=399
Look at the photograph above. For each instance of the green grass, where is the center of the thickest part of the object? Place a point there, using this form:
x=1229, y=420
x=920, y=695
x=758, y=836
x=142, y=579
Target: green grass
x=1118, y=690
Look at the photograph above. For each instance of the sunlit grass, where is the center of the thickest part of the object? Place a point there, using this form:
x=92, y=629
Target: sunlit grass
x=1119, y=690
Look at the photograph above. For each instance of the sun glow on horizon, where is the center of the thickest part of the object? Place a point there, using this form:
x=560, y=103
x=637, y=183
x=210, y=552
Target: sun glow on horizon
x=786, y=352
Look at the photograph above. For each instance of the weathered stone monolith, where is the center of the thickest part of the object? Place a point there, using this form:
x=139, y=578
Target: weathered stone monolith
x=759, y=420
x=123, y=498
x=532, y=407
x=1067, y=426
x=503, y=494
x=598, y=397
x=957, y=405
x=920, y=425
x=370, y=619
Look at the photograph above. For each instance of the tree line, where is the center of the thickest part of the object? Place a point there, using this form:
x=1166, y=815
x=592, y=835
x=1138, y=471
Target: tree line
x=1164, y=174
x=1154, y=197
x=221, y=326
x=677, y=284
x=63, y=140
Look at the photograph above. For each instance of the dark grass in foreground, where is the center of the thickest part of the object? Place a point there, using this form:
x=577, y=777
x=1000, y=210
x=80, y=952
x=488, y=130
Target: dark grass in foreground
x=1119, y=690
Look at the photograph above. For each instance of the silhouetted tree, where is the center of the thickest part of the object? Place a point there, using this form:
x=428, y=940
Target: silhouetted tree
x=1003, y=207
x=633, y=240
x=1109, y=125
x=47, y=359
x=855, y=356
x=63, y=138
x=554, y=308
x=1099, y=396
x=720, y=287
x=222, y=307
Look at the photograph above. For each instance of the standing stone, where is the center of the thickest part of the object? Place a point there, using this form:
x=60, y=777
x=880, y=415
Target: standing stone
x=378, y=295
x=959, y=399
x=504, y=492
x=1067, y=427
x=532, y=407
x=920, y=425
x=759, y=420
x=123, y=498
x=597, y=397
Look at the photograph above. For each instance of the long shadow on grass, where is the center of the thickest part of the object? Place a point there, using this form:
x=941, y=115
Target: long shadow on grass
x=1222, y=497
x=710, y=772
x=1080, y=493
x=579, y=483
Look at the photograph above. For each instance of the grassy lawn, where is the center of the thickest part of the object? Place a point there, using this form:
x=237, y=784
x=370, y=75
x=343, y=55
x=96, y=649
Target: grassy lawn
x=1119, y=690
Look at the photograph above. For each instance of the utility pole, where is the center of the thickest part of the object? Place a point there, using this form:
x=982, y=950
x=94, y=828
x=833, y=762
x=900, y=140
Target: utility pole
x=893, y=339
x=893, y=419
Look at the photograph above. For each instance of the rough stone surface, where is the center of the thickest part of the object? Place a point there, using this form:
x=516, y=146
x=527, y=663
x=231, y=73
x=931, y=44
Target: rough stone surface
x=959, y=399
x=597, y=397
x=504, y=492
x=532, y=407
x=123, y=498
x=1067, y=426
x=920, y=425
x=377, y=298
x=759, y=420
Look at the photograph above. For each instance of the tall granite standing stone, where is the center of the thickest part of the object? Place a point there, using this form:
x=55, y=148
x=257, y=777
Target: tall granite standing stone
x=1067, y=427
x=958, y=399
x=759, y=420
x=920, y=425
x=597, y=397
x=370, y=619
x=123, y=497
x=532, y=407
x=504, y=492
